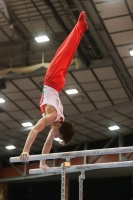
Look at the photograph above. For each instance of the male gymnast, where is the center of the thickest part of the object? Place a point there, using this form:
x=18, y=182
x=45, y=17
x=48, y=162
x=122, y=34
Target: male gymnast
x=50, y=104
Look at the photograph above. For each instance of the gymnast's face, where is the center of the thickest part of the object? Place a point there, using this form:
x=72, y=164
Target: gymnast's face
x=57, y=135
x=56, y=132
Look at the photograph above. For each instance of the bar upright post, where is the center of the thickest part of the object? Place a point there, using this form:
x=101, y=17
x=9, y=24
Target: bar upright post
x=63, y=179
x=81, y=178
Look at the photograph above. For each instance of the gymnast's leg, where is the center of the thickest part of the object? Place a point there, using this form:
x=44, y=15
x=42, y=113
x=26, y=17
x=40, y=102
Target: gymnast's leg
x=56, y=73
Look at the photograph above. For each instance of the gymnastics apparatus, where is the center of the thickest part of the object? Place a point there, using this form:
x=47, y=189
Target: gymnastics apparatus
x=66, y=166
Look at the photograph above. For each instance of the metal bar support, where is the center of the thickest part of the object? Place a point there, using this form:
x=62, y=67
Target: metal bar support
x=63, y=181
x=81, y=179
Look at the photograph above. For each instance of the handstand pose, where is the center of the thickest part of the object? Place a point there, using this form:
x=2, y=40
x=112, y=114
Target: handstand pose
x=50, y=104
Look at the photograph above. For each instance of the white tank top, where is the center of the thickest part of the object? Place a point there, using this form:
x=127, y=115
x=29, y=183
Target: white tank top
x=51, y=97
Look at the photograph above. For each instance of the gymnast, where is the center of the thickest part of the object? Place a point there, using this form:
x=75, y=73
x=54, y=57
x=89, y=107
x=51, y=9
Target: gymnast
x=50, y=105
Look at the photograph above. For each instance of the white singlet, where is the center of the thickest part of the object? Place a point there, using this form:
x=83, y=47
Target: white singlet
x=51, y=97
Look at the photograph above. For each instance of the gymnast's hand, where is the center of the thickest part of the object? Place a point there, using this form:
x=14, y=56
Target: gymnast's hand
x=44, y=166
x=24, y=156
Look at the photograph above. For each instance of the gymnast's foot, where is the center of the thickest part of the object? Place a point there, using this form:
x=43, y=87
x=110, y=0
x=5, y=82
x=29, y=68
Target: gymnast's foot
x=82, y=16
x=82, y=20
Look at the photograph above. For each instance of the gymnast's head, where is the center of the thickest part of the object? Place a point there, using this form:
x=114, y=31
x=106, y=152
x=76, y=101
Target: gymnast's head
x=63, y=130
x=66, y=131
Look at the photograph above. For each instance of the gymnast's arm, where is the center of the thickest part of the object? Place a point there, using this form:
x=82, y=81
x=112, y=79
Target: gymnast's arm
x=47, y=120
x=47, y=147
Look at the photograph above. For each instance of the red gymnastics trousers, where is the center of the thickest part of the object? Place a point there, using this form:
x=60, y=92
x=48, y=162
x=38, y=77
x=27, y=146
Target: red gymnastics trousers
x=57, y=70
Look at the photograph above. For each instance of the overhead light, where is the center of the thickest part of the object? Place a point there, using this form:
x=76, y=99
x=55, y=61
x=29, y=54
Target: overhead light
x=72, y=91
x=112, y=128
x=10, y=147
x=2, y=100
x=131, y=52
x=26, y=124
x=43, y=38
x=58, y=139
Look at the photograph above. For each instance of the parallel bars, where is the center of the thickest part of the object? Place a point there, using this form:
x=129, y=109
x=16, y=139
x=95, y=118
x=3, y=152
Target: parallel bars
x=65, y=167
x=75, y=154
